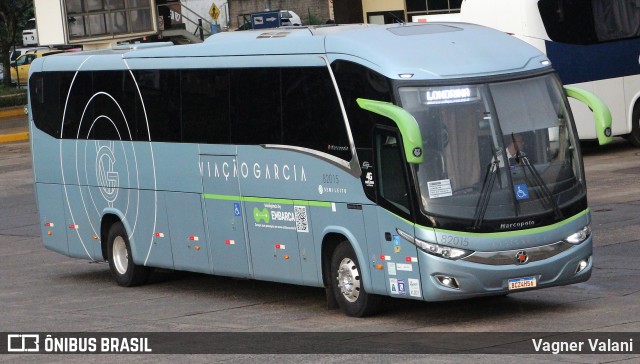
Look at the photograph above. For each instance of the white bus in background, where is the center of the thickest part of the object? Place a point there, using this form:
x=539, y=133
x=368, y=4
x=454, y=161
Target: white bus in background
x=592, y=44
x=30, y=34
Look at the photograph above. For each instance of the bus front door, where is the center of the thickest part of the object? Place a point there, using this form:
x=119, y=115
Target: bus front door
x=399, y=255
x=224, y=215
x=394, y=148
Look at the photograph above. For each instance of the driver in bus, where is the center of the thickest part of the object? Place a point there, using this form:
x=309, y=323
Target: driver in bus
x=514, y=142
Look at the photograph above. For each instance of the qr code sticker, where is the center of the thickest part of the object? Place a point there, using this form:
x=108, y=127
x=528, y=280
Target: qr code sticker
x=302, y=225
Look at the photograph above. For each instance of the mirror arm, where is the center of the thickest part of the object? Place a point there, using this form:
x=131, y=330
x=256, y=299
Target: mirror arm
x=600, y=111
x=409, y=128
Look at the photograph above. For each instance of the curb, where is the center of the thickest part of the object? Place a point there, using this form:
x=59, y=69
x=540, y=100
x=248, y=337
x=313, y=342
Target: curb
x=11, y=111
x=17, y=137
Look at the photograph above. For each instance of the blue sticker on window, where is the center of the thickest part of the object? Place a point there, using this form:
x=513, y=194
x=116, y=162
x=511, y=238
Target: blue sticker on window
x=236, y=208
x=521, y=191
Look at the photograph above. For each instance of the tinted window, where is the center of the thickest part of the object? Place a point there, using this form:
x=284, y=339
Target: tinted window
x=356, y=81
x=312, y=117
x=293, y=106
x=205, y=106
x=73, y=111
x=255, y=106
x=161, y=94
x=114, y=113
x=45, y=116
x=391, y=182
x=587, y=22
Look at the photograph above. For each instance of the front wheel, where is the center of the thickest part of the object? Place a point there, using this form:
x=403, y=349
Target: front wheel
x=347, y=283
x=123, y=269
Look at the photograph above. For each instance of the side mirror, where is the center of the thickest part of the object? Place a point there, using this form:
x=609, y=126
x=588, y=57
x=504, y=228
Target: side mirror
x=601, y=112
x=409, y=129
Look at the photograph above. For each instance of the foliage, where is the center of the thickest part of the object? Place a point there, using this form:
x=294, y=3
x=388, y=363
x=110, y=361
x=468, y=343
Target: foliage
x=314, y=20
x=13, y=100
x=10, y=96
x=13, y=16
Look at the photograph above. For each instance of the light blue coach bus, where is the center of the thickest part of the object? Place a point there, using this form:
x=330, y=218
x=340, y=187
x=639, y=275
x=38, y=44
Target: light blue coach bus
x=428, y=162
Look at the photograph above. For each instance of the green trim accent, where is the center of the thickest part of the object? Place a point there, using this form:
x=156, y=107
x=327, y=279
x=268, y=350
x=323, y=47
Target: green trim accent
x=282, y=201
x=516, y=233
x=505, y=234
x=221, y=197
x=409, y=129
x=600, y=110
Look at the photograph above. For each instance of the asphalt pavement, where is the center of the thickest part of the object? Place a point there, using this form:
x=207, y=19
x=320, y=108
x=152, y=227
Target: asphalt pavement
x=14, y=125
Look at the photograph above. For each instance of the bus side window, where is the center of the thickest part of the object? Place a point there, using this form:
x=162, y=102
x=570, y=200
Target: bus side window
x=392, y=185
x=205, y=106
x=256, y=110
x=311, y=115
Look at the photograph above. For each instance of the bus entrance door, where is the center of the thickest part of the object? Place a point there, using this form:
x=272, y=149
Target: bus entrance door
x=399, y=255
x=224, y=215
x=275, y=251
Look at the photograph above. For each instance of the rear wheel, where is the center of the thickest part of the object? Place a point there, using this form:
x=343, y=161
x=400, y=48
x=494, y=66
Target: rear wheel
x=123, y=269
x=346, y=281
x=634, y=136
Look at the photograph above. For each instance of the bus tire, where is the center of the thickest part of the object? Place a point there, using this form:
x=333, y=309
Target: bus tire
x=634, y=136
x=125, y=272
x=347, y=283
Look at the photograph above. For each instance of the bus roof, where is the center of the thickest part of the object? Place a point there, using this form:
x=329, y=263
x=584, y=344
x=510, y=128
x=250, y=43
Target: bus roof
x=429, y=51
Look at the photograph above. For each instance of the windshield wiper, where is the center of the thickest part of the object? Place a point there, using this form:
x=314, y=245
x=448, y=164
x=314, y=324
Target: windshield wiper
x=538, y=181
x=485, y=193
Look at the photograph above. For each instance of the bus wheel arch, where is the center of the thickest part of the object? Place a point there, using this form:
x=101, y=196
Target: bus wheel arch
x=107, y=221
x=329, y=244
x=343, y=278
x=634, y=136
x=118, y=252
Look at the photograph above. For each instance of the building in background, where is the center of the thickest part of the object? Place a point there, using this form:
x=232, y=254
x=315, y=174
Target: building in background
x=92, y=24
x=391, y=11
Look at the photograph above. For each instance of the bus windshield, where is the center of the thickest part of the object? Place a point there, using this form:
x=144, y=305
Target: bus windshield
x=495, y=151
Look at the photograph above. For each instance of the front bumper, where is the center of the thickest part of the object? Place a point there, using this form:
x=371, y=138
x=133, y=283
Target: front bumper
x=476, y=279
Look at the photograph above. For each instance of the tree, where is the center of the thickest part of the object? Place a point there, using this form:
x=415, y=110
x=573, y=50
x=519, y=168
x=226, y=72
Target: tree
x=13, y=14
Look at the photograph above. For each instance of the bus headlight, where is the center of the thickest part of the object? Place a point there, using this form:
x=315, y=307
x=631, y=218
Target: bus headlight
x=438, y=250
x=441, y=250
x=579, y=236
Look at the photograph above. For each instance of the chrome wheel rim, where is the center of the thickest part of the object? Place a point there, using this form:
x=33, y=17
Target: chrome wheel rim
x=120, y=255
x=349, y=279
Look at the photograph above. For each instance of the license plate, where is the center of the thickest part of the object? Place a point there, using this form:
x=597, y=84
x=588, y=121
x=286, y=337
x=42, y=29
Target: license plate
x=519, y=283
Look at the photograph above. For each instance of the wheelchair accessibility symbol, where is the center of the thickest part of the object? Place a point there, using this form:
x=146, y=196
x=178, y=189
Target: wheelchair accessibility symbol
x=521, y=191
x=236, y=209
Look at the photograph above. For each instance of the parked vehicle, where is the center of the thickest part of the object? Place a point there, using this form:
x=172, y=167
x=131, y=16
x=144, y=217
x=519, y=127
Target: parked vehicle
x=30, y=34
x=20, y=67
x=14, y=54
x=288, y=18
x=270, y=19
x=591, y=44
